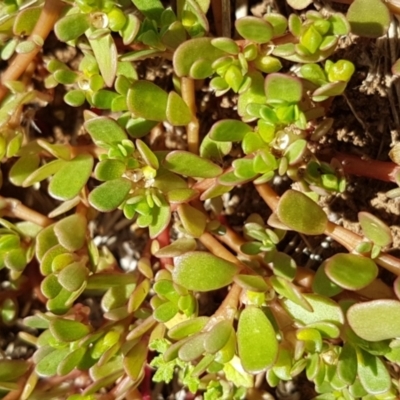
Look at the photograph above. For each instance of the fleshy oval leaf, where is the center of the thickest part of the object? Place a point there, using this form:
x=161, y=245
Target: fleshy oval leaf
x=351, y=271
x=375, y=320
x=189, y=164
x=257, y=343
x=203, y=272
x=109, y=195
x=71, y=232
x=147, y=100
x=72, y=26
x=300, y=213
x=69, y=180
x=105, y=130
x=374, y=229
x=255, y=29
x=229, y=130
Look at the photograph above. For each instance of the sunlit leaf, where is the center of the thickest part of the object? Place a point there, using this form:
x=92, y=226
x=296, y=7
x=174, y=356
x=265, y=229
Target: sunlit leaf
x=255, y=29
x=147, y=100
x=375, y=320
x=71, y=231
x=189, y=164
x=300, y=213
x=72, y=26
x=351, y=271
x=368, y=18
x=257, y=343
x=110, y=195
x=374, y=229
x=203, y=272
x=69, y=180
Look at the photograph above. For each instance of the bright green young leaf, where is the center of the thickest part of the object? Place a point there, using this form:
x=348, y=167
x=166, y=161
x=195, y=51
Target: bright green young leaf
x=374, y=229
x=177, y=111
x=191, y=165
x=71, y=232
x=282, y=88
x=69, y=180
x=104, y=129
x=147, y=100
x=23, y=168
x=110, y=195
x=192, y=50
x=257, y=343
x=375, y=320
x=45, y=240
x=72, y=26
x=165, y=312
x=299, y=4
x=255, y=29
x=300, y=213
x=351, y=271
x=203, y=272
x=229, y=130
x=368, y=18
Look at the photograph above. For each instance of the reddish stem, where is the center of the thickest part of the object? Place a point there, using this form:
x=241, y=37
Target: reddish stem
x=164, y=239
x=381, y=170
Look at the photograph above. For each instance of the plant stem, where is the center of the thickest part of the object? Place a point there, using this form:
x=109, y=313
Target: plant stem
x=15, y=209
x=381, y=170
x=48, y=17
x=346, y=238
x=189, y=96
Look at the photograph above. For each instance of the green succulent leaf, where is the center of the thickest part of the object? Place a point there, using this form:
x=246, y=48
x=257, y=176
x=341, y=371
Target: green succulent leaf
x=110, y=195
x=257, y=343
x=193, y=50
x=48, y=365
x=106, y=54
x=105, y=130
x=191, y=165
x=193, y=220
x=351, y=271
x=295, y=210
x=187, y=328
x=218, y=336
x=11, y=370
x=375, y=320
x=282, y=88
x=254, y=283
x=73, y=276
x=147, y=100
x=135, y=360
x=177, y=111
x=323, y=309
x=72, y=26
x=69, y=180
x=203, y=272
x=255, y=29
x=372, y=373
x=23, y=168
x=229, y=130
x=374, y=229
x=363, y=22
x=109, y=169
x=71, y=232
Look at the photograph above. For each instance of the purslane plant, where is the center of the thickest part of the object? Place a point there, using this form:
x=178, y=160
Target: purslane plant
x=211, y=308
